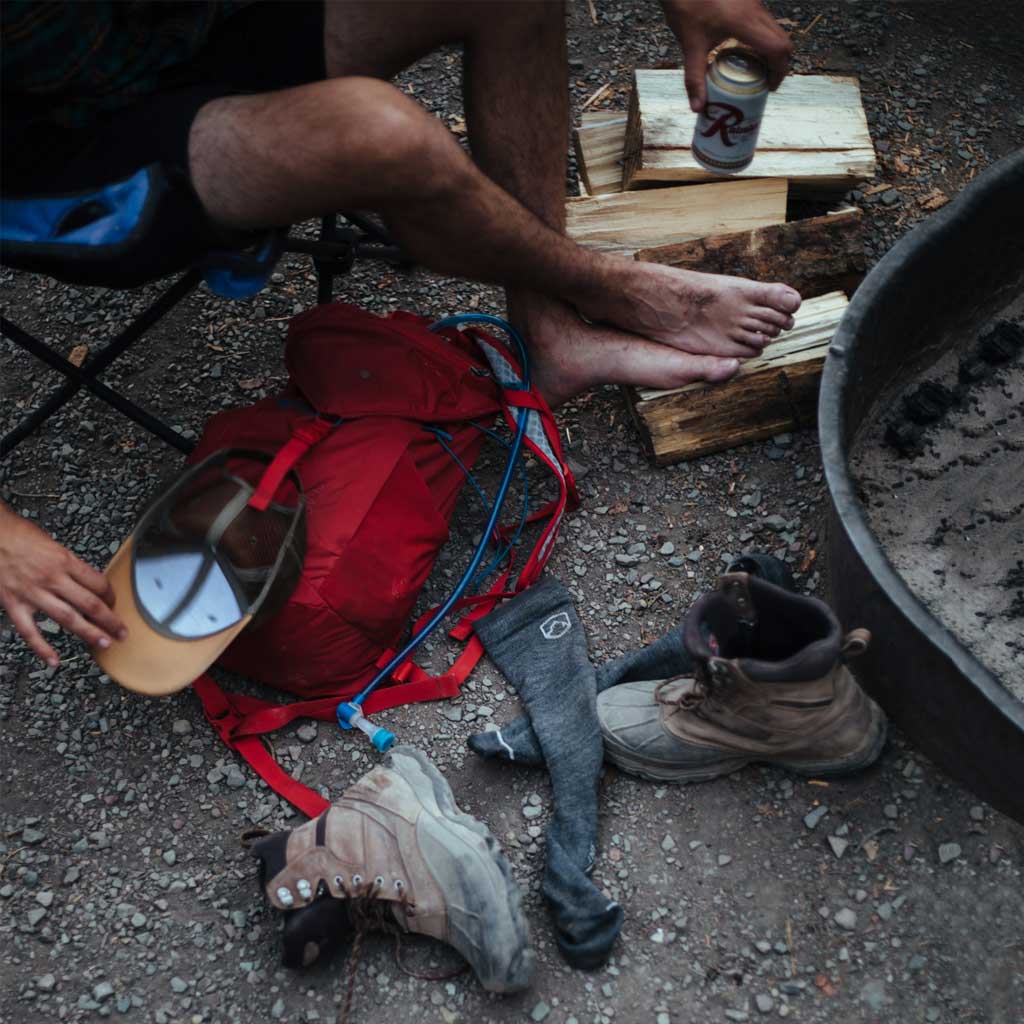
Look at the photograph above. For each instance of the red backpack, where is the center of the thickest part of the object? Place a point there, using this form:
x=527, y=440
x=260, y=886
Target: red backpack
x=381, y=419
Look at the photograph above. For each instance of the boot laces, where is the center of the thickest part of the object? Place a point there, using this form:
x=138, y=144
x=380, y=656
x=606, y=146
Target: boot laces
x=369, y=912
x=705, y=694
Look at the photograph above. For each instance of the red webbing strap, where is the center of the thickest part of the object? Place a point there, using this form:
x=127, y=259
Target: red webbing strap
x=223, y=712
x=303, y=438
x=240, y=720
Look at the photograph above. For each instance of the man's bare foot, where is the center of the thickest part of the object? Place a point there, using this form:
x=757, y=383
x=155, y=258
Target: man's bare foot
x=569, y=356
x=703, y=314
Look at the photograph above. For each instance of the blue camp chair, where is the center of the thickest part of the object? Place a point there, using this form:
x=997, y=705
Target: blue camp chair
x=139, y=230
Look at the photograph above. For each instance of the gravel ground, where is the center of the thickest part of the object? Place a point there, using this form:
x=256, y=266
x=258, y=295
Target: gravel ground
x=895, y=896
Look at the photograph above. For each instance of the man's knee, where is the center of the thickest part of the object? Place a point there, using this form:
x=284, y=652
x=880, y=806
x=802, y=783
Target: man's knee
x=390, y=138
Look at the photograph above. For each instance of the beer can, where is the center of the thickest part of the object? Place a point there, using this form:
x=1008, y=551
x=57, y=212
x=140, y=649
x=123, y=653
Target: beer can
x=725, y=136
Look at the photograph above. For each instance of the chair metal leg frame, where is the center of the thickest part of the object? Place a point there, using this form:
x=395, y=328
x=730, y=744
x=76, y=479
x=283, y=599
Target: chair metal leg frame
x=325, y=273
x=333, y=254
x=86, y=375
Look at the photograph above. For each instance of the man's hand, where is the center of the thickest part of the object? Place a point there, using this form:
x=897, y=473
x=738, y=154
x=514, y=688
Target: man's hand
x=700, y=25
x=38, y=575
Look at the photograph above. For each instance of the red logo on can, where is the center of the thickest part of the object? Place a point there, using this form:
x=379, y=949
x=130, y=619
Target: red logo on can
x=726, y=121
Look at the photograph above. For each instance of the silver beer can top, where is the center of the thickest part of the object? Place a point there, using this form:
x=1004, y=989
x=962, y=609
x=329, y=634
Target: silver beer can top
x=738, y=71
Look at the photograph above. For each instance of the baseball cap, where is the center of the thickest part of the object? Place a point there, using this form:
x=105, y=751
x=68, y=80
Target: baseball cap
x=213, y=555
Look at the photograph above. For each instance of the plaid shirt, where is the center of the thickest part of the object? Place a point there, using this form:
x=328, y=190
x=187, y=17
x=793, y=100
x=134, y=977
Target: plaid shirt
x=69, y=61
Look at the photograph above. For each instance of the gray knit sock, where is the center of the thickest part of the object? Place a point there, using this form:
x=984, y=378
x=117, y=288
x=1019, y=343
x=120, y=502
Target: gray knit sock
x=537, y=642
x=662, y=659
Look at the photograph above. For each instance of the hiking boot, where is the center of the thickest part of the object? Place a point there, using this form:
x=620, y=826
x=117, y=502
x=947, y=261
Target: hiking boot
x=396, y=853
x=769, y=685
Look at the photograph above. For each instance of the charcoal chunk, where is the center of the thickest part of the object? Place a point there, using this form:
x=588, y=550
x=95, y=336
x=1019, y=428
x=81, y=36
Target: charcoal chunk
x=905, y=437
x=1001, y=343
x=928, y=402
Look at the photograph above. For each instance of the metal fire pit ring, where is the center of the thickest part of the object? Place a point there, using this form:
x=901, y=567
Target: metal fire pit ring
x=950, y=274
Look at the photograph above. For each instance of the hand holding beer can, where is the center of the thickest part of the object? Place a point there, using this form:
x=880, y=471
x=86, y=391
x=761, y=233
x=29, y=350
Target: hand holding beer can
x=725, y=136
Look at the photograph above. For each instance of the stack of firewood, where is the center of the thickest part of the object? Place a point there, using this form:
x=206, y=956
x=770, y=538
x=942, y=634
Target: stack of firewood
x=643, y=195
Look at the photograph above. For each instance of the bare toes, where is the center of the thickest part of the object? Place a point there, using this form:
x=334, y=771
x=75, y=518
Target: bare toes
x=762, y=326
x=780, y=297
x=775, y=317
x=753, y=340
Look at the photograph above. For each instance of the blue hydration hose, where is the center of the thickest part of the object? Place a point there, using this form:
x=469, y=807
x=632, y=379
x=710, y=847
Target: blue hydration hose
x=350, y=713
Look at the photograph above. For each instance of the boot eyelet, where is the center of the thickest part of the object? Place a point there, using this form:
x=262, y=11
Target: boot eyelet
x=339, y=881
x=379, y=881
x=399, y=885
x=357, y=879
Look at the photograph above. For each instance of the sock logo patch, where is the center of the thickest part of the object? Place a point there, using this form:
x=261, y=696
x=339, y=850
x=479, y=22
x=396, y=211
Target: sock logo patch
x=554, y=627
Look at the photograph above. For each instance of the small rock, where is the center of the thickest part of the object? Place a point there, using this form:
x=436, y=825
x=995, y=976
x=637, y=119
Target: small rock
x=47, y=983
x=949, y=852
x=104, y=990
x=891, y=811
x=178, y=986
x=764, y=1002
x=169, y=857
x=737, y=1015
x=977, y=813
x=32, y=836
x=181, y=727
x=44, y=898
x=530, y=812
x=839, y=846
x=668, y=844
x=540, y=1012
x=307, y=732
x=277, y=1010
x=723, y=859
x=813, y=818
x=668, y=548
x=846, y=919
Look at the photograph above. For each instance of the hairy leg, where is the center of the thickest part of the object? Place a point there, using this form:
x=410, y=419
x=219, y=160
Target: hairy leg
x=356, y=142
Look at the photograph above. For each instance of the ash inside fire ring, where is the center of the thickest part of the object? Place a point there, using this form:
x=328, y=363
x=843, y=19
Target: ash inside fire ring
x=941, y=476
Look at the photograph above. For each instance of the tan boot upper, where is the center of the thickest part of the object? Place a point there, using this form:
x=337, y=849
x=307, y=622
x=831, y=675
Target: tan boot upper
x=365, y=845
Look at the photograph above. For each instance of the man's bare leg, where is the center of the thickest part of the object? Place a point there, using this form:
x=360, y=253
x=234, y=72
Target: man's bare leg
x=356, y=142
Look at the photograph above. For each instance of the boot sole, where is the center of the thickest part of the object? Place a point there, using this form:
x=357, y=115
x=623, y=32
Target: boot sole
x=437, y=798
x=665, y=771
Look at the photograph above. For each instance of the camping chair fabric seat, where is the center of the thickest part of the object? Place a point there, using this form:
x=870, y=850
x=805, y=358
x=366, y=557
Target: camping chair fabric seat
x=131, y=232
x=140, y=229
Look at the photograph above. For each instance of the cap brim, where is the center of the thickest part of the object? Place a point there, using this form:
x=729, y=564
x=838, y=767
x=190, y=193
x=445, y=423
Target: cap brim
x=147, y=661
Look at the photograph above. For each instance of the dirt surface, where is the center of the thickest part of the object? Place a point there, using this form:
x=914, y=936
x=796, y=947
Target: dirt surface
x=123, y=890
x=951, y=519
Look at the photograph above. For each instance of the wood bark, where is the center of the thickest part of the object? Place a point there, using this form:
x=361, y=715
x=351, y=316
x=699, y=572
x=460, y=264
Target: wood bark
x=814, y=256
x=776, y=392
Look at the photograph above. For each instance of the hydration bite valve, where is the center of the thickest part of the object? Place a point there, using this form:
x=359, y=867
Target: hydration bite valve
x=350, y=716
